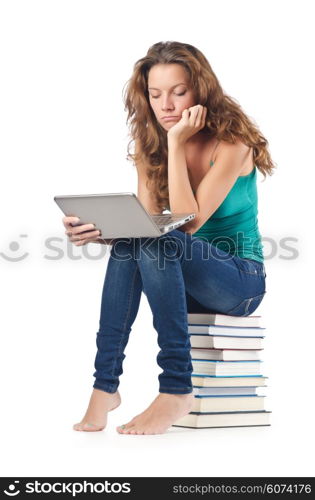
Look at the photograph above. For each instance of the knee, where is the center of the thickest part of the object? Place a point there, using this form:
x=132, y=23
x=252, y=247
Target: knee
x=156, y=252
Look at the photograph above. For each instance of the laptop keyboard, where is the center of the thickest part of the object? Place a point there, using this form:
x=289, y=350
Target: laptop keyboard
x=163, y=220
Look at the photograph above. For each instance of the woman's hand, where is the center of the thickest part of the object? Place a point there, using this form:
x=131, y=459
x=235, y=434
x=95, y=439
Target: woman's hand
x=81, y=234
x=193, y=119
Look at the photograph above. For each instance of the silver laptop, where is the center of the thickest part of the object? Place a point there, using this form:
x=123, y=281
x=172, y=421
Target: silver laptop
x=119, y=215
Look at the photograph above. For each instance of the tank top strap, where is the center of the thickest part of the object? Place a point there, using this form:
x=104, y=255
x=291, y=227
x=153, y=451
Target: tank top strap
x=211, y=161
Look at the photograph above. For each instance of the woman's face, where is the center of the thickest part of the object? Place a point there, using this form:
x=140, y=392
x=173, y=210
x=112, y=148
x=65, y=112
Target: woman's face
x=169, y=93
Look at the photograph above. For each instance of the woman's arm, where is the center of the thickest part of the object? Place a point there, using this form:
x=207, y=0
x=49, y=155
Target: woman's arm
x=213, y=188
x=181, y=196
x=144, y=195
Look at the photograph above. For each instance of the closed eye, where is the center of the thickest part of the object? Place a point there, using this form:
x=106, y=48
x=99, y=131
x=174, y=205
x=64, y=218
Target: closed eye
x=157, y=96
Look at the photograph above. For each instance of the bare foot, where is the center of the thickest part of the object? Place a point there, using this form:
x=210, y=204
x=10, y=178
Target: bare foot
x=95, y=418
x=160, y=415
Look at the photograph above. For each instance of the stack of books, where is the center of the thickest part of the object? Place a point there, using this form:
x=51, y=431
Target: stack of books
x=226, y=358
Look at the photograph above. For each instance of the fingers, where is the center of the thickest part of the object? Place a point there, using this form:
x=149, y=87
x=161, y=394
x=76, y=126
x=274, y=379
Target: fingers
x=75, y=230
x=69, y=220
x=185, y=114
x=81, y=242
x=80, y=239
x=197, y=115
x=203, y=115
x=80, y=234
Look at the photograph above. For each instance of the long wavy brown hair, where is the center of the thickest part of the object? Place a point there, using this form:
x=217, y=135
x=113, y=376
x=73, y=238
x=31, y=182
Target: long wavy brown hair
x=225, y=119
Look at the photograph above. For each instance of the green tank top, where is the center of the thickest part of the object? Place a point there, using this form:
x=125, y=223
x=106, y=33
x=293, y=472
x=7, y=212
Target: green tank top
x=233, y=227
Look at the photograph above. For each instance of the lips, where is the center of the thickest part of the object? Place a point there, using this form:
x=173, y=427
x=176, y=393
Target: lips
x=169, y=117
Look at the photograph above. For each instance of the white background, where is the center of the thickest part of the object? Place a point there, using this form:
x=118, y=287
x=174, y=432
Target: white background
x=63, y=130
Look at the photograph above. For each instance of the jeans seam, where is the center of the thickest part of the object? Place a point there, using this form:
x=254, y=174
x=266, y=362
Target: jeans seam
x=248, y=304
x=130, y=298
x=125, y=323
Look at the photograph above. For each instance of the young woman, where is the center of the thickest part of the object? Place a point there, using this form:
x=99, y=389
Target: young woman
x=195, y=152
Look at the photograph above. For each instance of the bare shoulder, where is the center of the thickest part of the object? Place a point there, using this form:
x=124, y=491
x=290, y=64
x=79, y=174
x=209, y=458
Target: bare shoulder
x=239, y=153
x=239, y=149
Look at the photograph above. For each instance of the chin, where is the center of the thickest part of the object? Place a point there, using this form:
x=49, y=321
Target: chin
x=168, y=125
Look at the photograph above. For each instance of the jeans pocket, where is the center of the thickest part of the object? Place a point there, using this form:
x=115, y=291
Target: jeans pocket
x=247, y=306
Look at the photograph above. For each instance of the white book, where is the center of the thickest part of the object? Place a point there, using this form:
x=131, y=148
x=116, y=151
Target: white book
x=225, y=354
x=204, y=404
x=207, y=381
x=225, y=368
x=222, y=342
x=224, y=320
x=226, y=419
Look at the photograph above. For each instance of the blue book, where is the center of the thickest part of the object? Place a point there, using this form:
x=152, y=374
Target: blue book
x=227, y=331
x=233, y=381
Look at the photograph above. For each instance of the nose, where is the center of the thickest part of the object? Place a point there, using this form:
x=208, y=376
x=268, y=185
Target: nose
x=167, y=104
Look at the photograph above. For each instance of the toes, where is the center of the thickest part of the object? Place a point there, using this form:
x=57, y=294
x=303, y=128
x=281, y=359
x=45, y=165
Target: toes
x=133, y=430
x=128, y=430
x=120, y=429
x=125, y=429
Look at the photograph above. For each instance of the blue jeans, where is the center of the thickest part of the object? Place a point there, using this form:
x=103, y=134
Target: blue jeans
x=178, y=273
